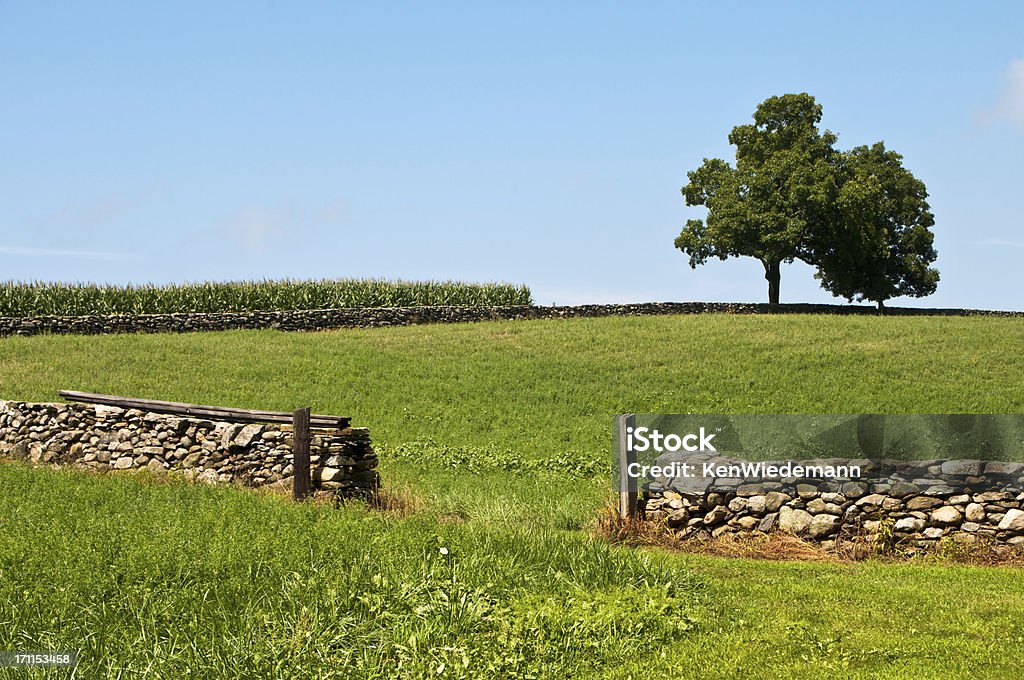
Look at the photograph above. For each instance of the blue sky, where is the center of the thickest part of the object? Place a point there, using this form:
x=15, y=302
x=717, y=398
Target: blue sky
x=542, y=143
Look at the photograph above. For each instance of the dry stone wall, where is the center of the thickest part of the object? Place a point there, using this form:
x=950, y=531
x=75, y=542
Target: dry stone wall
x=323, y=319
x=107, y=438
x=910, y=503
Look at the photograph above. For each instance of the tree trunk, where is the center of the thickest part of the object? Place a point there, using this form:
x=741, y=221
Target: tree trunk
x=881, y=306
x=772, y=275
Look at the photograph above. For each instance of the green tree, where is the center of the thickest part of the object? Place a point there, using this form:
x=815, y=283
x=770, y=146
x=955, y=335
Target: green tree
x=769, y=205
x=879, y=244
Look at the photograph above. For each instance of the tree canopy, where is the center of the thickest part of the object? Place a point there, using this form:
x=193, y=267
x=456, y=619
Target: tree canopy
x=880, y=244
x=858, y=216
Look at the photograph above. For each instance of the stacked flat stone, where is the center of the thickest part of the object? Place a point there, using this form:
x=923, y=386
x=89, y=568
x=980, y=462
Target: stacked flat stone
x=917, y=503
x=108, y=438
x=372, y=317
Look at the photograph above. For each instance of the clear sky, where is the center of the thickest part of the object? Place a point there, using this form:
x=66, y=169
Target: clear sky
x=542, y=143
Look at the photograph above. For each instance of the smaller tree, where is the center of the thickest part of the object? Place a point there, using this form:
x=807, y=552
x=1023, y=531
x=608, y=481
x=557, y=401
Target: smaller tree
x=878, y=244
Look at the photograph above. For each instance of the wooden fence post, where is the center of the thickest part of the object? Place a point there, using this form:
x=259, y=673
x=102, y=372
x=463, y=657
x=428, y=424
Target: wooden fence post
x=302, y=482
x=627, y=484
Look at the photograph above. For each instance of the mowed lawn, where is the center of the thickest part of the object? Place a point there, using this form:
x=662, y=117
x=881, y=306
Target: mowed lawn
x=156, y=578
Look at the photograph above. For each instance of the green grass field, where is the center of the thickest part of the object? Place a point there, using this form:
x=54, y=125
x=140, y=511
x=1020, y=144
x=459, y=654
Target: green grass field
x=157, y=578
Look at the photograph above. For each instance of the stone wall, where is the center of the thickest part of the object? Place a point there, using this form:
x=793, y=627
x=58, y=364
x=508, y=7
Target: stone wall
x=107, y=438
x=323, y=319
x=910, y=503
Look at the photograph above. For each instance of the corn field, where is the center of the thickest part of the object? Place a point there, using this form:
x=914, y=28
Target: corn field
x=79, y=299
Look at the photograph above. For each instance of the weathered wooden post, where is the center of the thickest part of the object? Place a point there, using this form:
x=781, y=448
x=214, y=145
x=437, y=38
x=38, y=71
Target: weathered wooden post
x=627, y=484
x=303, y=484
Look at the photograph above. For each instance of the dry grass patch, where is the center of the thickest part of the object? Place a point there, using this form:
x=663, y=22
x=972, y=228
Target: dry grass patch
x=779, y=545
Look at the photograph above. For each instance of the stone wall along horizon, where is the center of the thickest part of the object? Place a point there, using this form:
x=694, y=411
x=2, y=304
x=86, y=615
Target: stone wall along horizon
x=375, y=317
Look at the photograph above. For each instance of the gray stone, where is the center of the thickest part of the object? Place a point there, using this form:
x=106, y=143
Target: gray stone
x=717, y=515
x=890, y=504
x=123, y=463
x=816, y=506
x=933, y=532
x=228, y=434
x=874, y=500
x=19, y=451
x=940, y=491
x=247, y=435
x=794, y=521
x=923, y=503
x=748, y=523
x=756, y=504
x=1013, y=520
x=946, y=516
x=738, y=504
x=678, y=517
x=718, y=532
x=961, y=468
x=329, y=474
x=909, y=525
x=806, y=491
x=992, y=496
x=1001, y=468
x=156, y=467
x=773, y=500
x=768, y=522
x=714, y=499
x=854, y=489
x=652, y=504
x=975, y=512
x=903, y=489
x=750, y=489
x=822, y=525
x=208, y=477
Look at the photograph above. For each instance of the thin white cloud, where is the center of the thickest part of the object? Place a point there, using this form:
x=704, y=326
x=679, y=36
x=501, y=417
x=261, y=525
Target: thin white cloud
x=334, y=211
x=1010, y=105
x=49, y=252
x=1001, y=242
x=257, y=228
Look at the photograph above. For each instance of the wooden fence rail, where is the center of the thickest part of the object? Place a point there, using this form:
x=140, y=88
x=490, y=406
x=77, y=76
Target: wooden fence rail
x=237, y=415
x=301, y=421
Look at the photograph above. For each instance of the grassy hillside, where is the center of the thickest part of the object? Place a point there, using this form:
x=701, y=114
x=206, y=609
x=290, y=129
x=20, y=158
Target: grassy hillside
x=548, y=388
x=231, y=583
